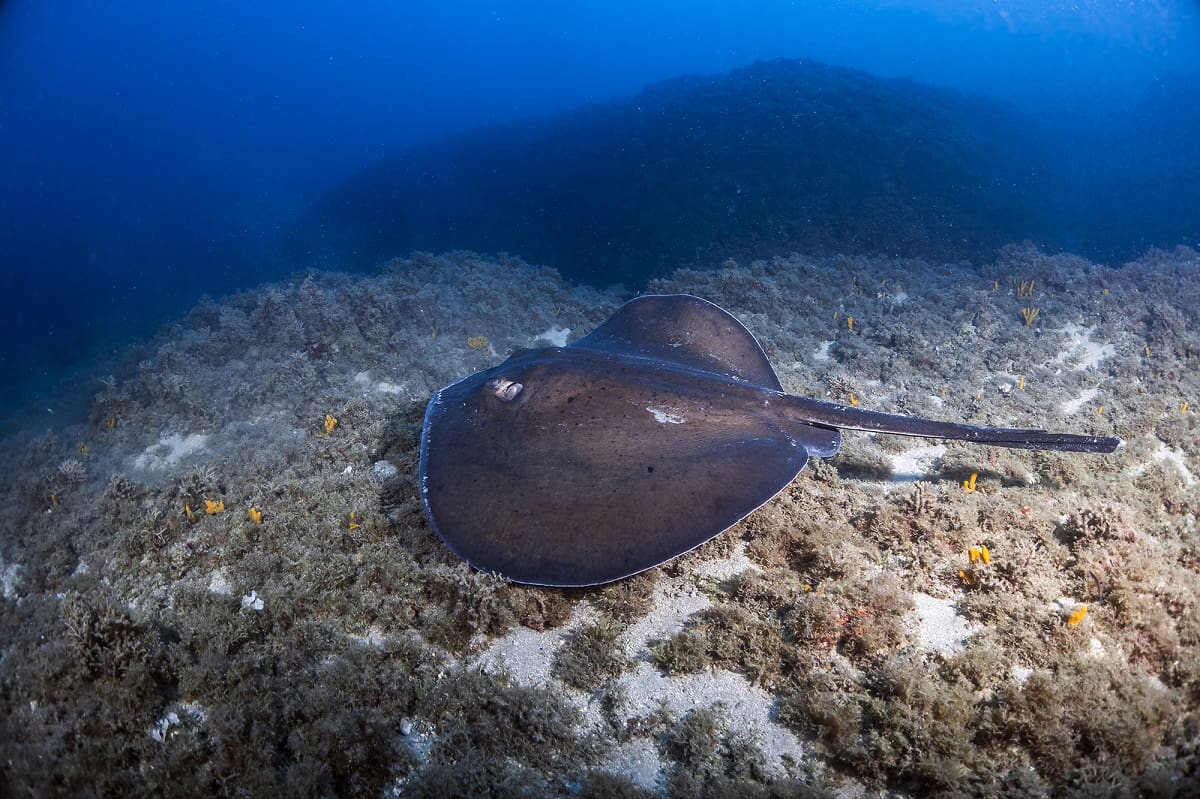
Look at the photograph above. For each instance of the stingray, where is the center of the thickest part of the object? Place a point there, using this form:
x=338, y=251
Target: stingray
x=665, y=426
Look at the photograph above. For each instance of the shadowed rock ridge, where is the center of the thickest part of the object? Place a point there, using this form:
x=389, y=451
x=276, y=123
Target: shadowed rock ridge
x=777, y=157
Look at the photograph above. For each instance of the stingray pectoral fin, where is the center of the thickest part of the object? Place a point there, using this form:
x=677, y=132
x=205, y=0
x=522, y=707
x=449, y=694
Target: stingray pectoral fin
x=685, y=331
x=587, y=526
x=848, y=417
x=586, y=503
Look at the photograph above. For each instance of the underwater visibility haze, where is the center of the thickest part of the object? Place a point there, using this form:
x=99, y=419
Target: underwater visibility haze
x=245, y=247
x=152, y=154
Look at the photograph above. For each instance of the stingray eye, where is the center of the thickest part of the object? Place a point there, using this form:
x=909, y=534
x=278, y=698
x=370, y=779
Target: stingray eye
x=505, y=390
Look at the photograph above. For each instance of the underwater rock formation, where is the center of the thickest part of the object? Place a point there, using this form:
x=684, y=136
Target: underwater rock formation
x=779, y=157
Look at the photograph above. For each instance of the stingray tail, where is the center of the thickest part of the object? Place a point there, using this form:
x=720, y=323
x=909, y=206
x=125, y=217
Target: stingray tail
x=847, y=417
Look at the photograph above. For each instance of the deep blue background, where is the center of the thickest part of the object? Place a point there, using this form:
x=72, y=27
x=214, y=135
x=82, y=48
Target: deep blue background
x=150, y=151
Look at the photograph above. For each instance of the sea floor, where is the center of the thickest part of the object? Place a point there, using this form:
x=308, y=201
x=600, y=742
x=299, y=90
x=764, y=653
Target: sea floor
x=223, y=583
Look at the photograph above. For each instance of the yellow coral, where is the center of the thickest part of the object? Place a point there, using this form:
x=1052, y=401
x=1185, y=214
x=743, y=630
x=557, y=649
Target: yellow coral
x=189, y=513
x=255, y=515
x=477, y=342
x=969, y=484
x=213, y=507
x=1030, y=314
x=979, y=554
x=1077, y=616
x=330, y=423
x=352, y=522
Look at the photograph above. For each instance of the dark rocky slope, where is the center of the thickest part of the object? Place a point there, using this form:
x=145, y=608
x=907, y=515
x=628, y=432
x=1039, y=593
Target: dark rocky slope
x=778, y=157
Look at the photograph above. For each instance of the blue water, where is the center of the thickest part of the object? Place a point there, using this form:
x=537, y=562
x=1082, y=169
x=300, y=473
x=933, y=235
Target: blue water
x=153, y=152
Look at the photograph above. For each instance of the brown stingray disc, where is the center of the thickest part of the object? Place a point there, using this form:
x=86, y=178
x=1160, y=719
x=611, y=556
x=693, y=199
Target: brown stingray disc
x=579, y=465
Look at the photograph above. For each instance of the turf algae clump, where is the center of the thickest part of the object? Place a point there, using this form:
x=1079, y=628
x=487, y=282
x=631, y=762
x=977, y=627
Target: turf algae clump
x=495, y=739
x=590, y=656
x=685, y=652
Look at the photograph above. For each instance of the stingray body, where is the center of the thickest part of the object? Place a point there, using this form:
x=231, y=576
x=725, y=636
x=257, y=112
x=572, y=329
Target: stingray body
x=579, y=465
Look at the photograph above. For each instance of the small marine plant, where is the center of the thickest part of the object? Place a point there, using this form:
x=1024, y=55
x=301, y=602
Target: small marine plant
x=685, y=652
x=105, y=639
x=696, y=737
x=629, y=599
x=919, y=502
x=72, y=471
x=1092, y=526
x=591, y=655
